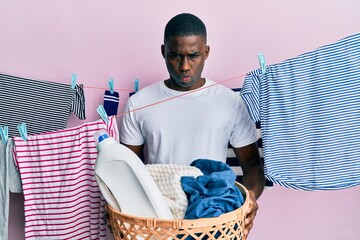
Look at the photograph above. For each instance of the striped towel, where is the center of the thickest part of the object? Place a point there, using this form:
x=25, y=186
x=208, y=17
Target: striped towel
x=309, y=107
x=62, y=199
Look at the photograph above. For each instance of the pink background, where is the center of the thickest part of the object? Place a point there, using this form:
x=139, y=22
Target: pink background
x=50, y=40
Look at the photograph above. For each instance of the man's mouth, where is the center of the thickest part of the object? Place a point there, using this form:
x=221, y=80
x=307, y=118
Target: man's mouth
x=185, y=78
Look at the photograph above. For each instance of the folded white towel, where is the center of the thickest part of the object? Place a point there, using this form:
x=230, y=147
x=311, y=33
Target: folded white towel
x=167, y=177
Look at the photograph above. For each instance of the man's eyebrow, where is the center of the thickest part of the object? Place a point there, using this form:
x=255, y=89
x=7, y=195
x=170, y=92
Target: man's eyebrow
x=192, y=53
x=172, y=52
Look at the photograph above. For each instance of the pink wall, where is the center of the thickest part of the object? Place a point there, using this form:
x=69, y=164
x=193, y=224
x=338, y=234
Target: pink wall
x=49, y=40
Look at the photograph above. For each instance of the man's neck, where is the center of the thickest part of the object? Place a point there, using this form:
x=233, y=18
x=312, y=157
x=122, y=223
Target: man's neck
x=172, y=85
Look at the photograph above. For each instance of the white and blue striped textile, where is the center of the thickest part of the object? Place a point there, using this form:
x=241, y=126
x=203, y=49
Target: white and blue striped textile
x=309, y=107
x=233, y=162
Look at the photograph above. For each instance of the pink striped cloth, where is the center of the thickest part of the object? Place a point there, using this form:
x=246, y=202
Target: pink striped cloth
x=62, y=197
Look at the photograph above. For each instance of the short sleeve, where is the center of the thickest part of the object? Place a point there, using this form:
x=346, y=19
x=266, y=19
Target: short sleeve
x=244, y=130
x=250, y=93
x=130, y=131
x=78, y=103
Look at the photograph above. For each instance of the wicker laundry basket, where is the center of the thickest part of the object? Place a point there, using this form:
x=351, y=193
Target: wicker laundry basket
x=227, y=226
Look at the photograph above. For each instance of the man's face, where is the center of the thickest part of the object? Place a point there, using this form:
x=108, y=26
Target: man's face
x=185, y=58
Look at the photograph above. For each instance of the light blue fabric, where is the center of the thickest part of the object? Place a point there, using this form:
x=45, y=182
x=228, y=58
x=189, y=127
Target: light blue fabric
x=9, y=182
x=15, y=185
x=4, y=192
x=213, y=193
x=309, y=107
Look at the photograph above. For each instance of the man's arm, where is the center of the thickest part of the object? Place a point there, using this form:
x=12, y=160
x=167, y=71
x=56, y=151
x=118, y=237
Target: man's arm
x=253, y=171
x=253, y=180
x=138, y=150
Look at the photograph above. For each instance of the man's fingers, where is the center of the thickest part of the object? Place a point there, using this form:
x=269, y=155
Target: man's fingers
x=251, y=213
x=250, y=218
x=248, y=226
x=246, y=233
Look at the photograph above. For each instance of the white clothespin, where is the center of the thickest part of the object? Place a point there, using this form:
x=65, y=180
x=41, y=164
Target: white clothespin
x=22, y=130
x=111, y=85
x=101, y=111
x=262, y=62
x=4, y=132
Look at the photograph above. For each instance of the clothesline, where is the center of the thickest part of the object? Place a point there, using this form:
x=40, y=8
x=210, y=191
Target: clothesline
x=128, y=90
x=178, y=96
x=103, y=88
x=84, y=86
x=123, y=89
x=13, y=116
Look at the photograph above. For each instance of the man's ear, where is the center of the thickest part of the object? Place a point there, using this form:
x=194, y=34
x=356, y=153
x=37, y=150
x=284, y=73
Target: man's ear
x=207, y=51
x=163, y=50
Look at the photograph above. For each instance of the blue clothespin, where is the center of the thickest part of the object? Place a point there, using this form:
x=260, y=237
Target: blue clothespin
x=136, y=85
x=22, y=130
x=111, y=85
x=101, y=111
x=73, y=80
x=4, y=132
x=262, y=62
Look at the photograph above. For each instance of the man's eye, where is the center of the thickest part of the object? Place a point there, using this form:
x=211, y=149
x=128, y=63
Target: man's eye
x=194, y=55
x=173, y=55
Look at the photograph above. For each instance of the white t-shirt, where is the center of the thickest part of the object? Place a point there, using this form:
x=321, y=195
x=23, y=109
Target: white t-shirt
x=179, y=127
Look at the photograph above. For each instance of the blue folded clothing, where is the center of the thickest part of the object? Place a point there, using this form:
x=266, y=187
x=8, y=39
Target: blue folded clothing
x=213, y=193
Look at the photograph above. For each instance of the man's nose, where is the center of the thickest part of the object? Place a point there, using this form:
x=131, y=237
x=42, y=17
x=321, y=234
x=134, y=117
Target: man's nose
x=184, y=64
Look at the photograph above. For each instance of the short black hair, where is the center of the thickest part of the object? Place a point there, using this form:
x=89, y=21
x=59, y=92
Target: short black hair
x=185, y=24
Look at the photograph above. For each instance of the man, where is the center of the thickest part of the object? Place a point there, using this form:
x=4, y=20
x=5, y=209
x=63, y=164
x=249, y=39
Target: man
x=192, y=117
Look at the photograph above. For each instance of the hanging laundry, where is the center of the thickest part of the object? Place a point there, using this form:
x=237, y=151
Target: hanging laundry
x=111, y=102
x=14, y=175
x=309, y=107
x=62, y=199
x=43, y=106
x=9, y=181
x=233, y=162
x=4, y=192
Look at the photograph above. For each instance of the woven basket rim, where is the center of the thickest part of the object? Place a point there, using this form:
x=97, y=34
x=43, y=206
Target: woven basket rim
x=185, y=223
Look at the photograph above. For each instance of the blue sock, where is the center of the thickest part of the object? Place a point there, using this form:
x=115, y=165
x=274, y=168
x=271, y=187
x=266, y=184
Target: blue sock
x=111, y=102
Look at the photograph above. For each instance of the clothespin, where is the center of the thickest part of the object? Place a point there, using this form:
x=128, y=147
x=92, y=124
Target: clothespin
x=101, y=111
x=22, y=130
x=73, y=80
x=4, y=132
x=111, y=85
x=262, y=62
x=136, y=85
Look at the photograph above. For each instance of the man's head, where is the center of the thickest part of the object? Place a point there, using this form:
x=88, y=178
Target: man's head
x=185, y=51
x=184, y=24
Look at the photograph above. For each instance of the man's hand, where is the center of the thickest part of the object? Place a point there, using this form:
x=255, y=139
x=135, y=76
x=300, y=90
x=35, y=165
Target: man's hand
x=250, y=214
